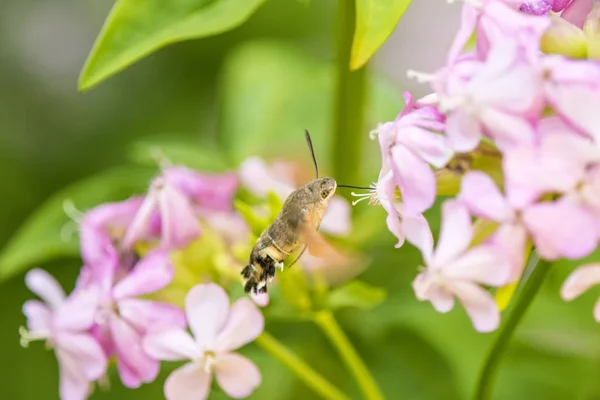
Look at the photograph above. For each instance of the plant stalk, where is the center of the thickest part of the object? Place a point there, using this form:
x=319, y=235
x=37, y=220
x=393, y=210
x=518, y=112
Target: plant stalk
x=299, y=368
x=349, y=102
x=356, y=366
x=524, y=300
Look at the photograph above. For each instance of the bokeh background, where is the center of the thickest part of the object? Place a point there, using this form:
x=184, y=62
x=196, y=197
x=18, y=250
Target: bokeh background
x=250, y=91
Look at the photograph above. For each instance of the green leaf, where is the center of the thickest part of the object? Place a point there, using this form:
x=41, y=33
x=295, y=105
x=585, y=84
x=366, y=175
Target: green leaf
x=275, y=204
x=39, y=239
x=356, y=294
x=136, y=28
x=375, y=22
x=257, y=224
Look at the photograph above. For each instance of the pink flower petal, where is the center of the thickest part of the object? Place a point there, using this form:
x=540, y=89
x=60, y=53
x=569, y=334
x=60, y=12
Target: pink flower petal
x=207, y=309
x=135, y=366
x=385, y=188
x=463, y=130
x=561, y=229
x=261, y=299
x=580, y=281
x=415, y=180
x=337, y=219
x=45, y=286
x=236, y=375
x=578, y=105
x=151, y=273
x=418, y=233
x=82, y=350
x=147, y=315
x=77, y=313
x=430, y=146
x=244, y=324
x=441, y=300
x=479, y=305
x=577, y=11
x=256, y=176
x=188, y=382
x=72, y=387
x=171, y=345
x=455, y=234
x=180, y=225
x=140, y=226
x=483, y=198
x=38, y=315
x=506, y=129
x=482, y=264
x=469, y=18
x=511, y=239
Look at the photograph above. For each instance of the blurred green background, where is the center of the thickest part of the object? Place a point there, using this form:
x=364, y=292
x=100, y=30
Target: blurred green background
x=249, y=91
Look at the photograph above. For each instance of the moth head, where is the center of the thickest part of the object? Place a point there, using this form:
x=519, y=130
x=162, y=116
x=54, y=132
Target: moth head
x=324, y=188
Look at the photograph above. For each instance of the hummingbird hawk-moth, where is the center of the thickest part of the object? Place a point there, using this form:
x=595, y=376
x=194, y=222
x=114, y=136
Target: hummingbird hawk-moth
x=297, y=224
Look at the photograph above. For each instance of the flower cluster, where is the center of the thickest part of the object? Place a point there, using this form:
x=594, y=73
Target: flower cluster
x=127, y=252
x=538, y=115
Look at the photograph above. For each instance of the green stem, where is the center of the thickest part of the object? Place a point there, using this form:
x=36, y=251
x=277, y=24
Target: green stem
x=302, y=370
x=356, y=366
x=530, y=289
x=349, y=100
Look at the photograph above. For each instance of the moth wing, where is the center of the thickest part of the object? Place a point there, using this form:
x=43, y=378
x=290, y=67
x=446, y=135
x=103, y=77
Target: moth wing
x=316, y=243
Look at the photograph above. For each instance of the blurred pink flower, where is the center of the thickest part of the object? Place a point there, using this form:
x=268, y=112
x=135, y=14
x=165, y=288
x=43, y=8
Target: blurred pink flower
x=408, y=145
x=64, y=324
x=455, y=270
x=176, y=200
x=123, y=319
x=580, y=281
x=102, y=231
x=260, y=179
x=575, y=11
x=218, y=330
x=536, y=7
x=501, y=100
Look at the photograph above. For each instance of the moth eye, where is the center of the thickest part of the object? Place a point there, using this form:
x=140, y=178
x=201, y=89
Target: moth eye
x=324, y=193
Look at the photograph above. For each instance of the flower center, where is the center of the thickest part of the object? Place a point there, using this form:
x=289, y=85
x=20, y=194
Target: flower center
x=209, y=361
x=371, y=195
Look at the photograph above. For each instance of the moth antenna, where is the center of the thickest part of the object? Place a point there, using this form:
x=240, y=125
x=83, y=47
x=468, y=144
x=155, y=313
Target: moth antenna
x=355, y=187
x=312, y=151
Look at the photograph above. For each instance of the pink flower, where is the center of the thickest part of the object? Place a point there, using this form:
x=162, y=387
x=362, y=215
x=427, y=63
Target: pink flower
x=123, y=319
x=218, y=330
x=408, y=145
x=260, y=179
x=176, y=200
x=102, y=231
x=499, y=101
x=572, y=88
x=64, y=323
x=580, y=281
x=536, y=7
x=576, y=11
x=455, y=270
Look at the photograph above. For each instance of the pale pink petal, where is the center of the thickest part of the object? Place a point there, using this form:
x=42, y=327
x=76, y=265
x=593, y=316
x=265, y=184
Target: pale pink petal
x=236, y=375
x=506, y=129
x=84, y=351
x=415, y=180
x=430, y=146
x=140, y=226
x=385, y=188
x=261, y=299
x=38, y=315
x=256, y=176
x=578, y=104
x=180, y=224
x=577, y=11
x=580, y=281
x=135, y=364
x=511, y=238
x=483, y=198
x=441, y=299
x=484, y=264
x=561, y=229
x=147, y=315
x=207, y=309
x=455, y=234
x=479, y=305
x=468, y=21
x=244, y=324
x=188, y=382
x=45, y=286
x=337, y=219
x=418, y=233
x=559, y=5
x=426, y=289
x=72, y=386
x=78, y=311
x=463, y=130
x=151, y=273
x=171, y=345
